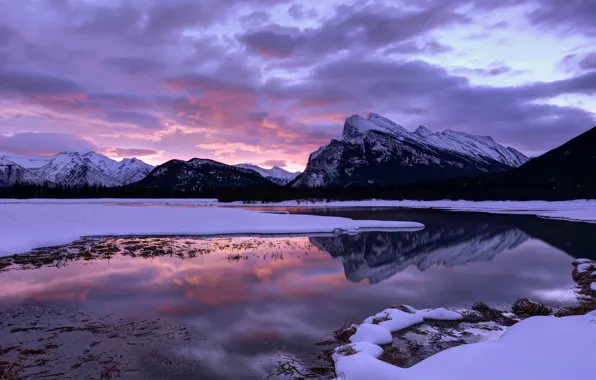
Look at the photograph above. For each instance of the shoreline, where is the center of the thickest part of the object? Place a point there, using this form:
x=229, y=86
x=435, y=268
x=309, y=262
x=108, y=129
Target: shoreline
x=401, y=337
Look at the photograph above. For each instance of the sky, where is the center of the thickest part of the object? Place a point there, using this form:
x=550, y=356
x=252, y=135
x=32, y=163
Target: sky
x=269, y=81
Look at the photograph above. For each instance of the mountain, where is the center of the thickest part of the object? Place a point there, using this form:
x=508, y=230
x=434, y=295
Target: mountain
x=27, y=162
x=571, y=165
x=275, y=174
x=378, y=151
x=377, y=256
x=200, y=176
x=86, y=167
x=12, y=173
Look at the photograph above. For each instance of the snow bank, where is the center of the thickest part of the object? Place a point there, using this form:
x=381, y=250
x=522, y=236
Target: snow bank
x=26, y=226
x=577, y=210
x=442, y=314
x=546, y=348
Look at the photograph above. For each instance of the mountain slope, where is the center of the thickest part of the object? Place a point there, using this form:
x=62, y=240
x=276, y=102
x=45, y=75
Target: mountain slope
x=11, y=173
x=77, y=169
x=86, y=167
x=572, y=164
x=130, y=170
x=275, y=174
x=378, y=151
x=200, y=176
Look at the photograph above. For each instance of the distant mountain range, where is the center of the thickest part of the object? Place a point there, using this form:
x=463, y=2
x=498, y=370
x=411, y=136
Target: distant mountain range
x=275, y=174
x=72, y=169
x=200, y=176
x=377, y=151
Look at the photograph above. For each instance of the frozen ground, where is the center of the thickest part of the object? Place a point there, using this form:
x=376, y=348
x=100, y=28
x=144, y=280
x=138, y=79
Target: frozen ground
x=25, y=226
x=544, y=347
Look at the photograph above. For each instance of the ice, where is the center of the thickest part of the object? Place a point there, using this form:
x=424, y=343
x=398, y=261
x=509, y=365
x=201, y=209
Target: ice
x=546, y=348
x=576, y=210
x=442, y=314
x=27, y=225
x=370, y=333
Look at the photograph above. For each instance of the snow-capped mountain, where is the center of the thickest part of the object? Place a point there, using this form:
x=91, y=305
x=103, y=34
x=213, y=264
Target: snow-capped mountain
x=378, y=256
x=12, y=173
x=28, y=162
x=83, y=168
x=378, y=151
x=275, y=174
x=201, y=176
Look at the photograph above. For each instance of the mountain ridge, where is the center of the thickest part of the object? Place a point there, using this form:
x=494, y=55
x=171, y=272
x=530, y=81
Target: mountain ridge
x=377, y=151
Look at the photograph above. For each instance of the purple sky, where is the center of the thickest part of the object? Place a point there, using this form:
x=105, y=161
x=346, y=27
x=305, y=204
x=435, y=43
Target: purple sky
x=269, y=81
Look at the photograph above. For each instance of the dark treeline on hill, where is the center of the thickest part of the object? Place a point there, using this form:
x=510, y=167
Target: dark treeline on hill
x=470, y=189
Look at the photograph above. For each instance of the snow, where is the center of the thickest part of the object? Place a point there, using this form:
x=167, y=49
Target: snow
x=593, y=286
x=581, y=268
x=546, y=348
x=575, y=210
x=26, y=225
x=442, y=314
x=375, y=334
x=94, y=168
x=399, y=320
x=477, y=147
x=278, y=175
x=365, y=348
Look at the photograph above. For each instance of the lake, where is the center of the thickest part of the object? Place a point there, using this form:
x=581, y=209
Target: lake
x=234, y=307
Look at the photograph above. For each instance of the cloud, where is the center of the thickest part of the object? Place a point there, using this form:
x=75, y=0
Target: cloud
x=415, y=47
x=278, y=163
x=133, y=152
x=362, y=28
x=30, y=83
x=42, y=143
x=495, y=69
x=142, y=120
x=275, y=44
x=134, y=65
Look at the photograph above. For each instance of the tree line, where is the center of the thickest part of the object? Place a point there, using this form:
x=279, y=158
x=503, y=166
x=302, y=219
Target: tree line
x=470, y=190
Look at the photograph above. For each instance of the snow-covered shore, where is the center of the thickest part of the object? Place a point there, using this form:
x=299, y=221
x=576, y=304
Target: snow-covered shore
x=580, y=210
x=540, y=347
x=25, y=226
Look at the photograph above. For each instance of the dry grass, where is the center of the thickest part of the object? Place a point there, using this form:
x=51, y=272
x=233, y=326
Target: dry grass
x=526, y=308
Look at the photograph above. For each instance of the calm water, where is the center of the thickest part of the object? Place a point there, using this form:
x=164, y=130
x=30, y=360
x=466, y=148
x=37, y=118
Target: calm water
x=249, y=299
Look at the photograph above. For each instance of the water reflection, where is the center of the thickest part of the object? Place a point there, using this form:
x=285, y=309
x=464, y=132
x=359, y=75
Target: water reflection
x=248, y=299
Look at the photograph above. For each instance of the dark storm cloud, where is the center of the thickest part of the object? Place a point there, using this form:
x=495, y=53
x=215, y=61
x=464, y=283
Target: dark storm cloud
x=43, y=143
x=134, y=65
x=568, y=15
x=353, y=28
x=36, y=83
x=588, y=62
x=269, y=43
x=139, y=119
x=511, y=114
x=8, y=34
